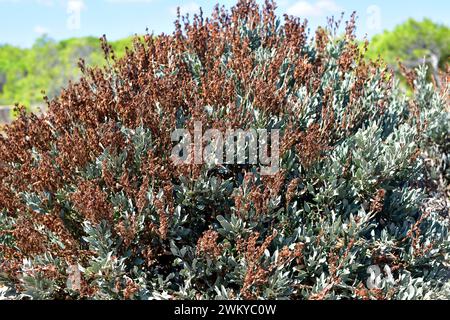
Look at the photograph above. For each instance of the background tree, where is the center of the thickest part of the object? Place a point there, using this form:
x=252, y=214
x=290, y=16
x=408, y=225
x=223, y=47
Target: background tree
x=48, y=65
x=413, y=42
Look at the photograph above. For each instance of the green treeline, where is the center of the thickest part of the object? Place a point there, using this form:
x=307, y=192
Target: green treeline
x=48, y=65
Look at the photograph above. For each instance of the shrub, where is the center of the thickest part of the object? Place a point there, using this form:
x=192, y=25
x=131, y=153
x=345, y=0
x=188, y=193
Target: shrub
x=93, y=206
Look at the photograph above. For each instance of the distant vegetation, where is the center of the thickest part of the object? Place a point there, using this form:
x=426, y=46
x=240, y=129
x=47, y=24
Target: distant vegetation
x=412, y=43
x=48, y=65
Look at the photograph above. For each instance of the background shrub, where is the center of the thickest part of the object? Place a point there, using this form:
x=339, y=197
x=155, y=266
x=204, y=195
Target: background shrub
x=89, y=186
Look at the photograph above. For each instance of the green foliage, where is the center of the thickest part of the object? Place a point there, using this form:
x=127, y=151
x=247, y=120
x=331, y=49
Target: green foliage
x=47, y=65
x=413, y=42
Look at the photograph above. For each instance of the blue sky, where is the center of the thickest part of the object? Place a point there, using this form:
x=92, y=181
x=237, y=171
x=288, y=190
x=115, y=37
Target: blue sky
x=22, y=21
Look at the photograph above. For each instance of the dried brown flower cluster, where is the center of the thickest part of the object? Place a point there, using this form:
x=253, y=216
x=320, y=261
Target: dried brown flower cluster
x=207, y=244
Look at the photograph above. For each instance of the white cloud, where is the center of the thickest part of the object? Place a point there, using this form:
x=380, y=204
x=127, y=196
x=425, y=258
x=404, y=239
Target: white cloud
x=189, y=8
x=40, y=30
x=317, y=9
x=75, y=5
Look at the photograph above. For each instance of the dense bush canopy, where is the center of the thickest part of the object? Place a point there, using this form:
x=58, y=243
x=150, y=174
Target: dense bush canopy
x=89, y=187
